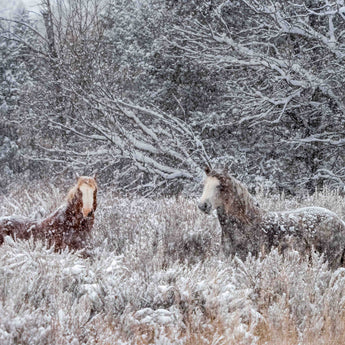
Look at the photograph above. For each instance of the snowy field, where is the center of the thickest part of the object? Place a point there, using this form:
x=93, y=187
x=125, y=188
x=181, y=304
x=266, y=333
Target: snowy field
x=154, y=275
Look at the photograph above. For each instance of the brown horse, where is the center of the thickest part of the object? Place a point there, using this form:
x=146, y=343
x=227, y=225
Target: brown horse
x=68, y=226
x=248, y=228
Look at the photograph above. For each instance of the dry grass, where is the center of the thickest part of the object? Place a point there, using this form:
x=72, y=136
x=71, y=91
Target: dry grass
x=155, y=276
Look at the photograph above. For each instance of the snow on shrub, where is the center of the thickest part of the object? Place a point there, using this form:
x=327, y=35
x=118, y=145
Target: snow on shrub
x=153, y=274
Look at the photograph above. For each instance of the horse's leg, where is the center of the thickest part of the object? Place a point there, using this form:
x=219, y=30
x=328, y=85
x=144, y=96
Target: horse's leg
x=236, y=241
x=342, y=259
x=226, y=241
x=226, y=225
x=331, y=241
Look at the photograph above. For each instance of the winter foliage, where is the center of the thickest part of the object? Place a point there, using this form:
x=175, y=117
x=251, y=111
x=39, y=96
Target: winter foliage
x=154, y=275
x=150, y=91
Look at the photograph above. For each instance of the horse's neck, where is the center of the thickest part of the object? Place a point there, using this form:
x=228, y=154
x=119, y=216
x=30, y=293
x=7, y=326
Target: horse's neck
x=227, y=219
x=74, y=217
x=246, y=214
x=238, y=237
x=66, y=214
x=73, y=207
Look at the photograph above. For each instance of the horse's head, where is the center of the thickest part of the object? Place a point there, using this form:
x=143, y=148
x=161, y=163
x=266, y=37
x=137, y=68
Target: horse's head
x=88, y=188
x=222, y=190
x=85, y=192
x=210, y=198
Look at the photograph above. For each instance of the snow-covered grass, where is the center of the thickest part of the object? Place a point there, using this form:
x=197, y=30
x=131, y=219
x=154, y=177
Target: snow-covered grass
x=154, y=275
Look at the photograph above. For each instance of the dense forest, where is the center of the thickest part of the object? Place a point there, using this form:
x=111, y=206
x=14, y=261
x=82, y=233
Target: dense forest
x=150, y=91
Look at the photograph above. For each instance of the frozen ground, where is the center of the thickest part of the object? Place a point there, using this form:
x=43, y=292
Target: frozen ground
x=155, y=276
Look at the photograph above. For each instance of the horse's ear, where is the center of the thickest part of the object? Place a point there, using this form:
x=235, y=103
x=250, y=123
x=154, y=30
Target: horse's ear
x=77, y=176
x=94, y=175
x=207, y=170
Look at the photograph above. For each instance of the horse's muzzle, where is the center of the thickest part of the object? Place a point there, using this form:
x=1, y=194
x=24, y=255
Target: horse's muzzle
x=88, y=213
x=205, y=207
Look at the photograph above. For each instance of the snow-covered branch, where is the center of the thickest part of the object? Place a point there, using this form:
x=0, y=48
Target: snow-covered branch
x=161, y=147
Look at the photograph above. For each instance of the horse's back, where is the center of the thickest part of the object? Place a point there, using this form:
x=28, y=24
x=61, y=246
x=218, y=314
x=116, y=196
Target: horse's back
x=306, y=218
x=311, y=211
x=16, y=227
x=309, y=227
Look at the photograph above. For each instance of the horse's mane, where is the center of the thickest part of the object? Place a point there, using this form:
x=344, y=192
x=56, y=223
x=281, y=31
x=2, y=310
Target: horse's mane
x=71, y=193
x=237, y=201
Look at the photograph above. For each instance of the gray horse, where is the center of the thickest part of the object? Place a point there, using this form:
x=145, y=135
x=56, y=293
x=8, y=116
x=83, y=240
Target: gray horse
x=248, y=228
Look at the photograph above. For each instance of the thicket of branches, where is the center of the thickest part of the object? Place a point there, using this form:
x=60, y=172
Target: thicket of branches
x=148, y=92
